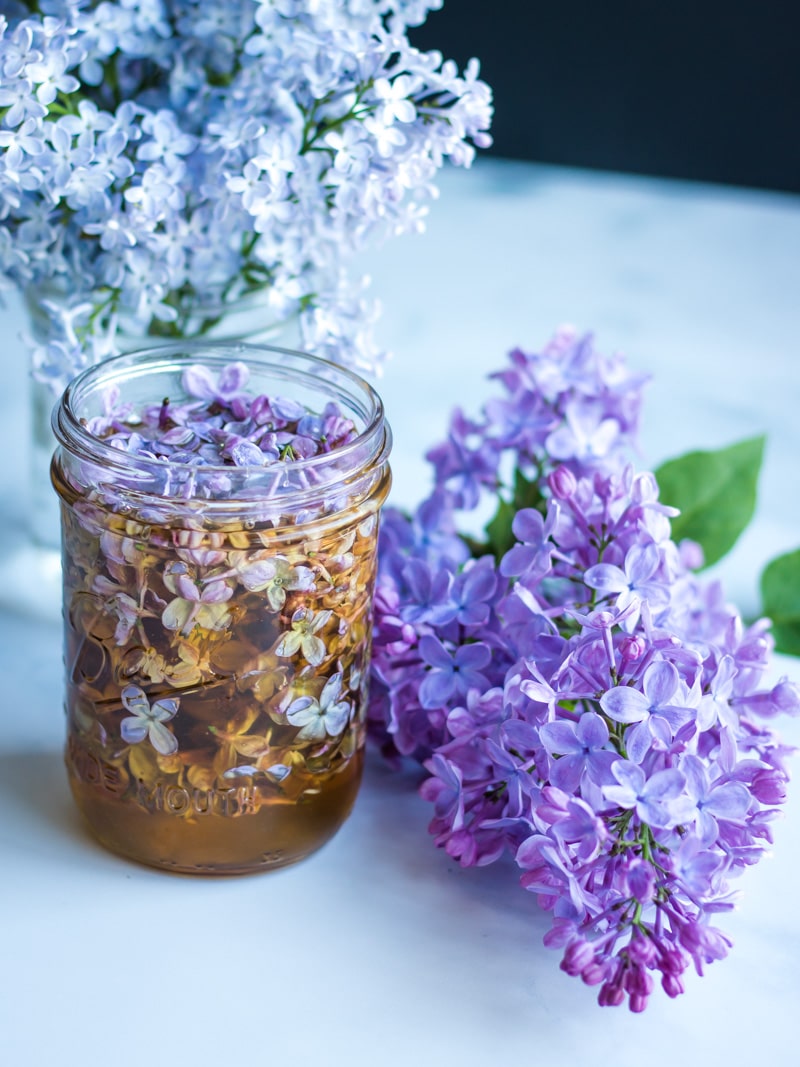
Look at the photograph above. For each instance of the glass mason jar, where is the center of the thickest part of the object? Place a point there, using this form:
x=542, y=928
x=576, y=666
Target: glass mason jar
x=217, y=620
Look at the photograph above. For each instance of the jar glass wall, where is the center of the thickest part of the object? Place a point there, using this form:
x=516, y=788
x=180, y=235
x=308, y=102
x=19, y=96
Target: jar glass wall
x=217, y=616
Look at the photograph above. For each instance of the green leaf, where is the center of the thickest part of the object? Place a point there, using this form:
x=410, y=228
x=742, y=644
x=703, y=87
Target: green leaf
x=498, y=531
x=780, y=595
x=716, y=493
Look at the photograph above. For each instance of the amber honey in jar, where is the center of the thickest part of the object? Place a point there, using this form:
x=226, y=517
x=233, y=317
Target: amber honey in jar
x=219, y=508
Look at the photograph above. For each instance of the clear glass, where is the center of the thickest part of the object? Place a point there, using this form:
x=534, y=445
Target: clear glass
x=217, y=732
x=30, y=568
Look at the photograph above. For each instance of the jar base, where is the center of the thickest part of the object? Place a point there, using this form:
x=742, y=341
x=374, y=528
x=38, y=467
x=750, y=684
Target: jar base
x=277, y=832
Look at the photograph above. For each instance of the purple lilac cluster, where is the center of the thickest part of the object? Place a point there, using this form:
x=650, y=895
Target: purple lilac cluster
x=578, y=697
x=220, y=425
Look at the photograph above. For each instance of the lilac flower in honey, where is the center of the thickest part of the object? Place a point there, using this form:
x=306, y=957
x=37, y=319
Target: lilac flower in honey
x=275, y=576
x=321, y=717
x=303, y=636
x=193, y=606
x=127, y=610
x=147, y=721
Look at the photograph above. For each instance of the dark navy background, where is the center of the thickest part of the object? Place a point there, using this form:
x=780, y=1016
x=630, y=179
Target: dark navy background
x=704, y=90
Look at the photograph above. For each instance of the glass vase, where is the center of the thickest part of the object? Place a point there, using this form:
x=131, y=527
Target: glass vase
x=217, y=732
x=31, y=578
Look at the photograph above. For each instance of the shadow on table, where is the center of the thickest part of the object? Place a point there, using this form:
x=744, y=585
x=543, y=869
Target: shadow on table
x=37, y=812
x=393, y=821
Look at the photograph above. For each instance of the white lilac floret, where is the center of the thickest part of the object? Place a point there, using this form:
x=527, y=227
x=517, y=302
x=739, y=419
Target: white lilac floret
x=147, y=720
x=579, y=698
x=162, y=160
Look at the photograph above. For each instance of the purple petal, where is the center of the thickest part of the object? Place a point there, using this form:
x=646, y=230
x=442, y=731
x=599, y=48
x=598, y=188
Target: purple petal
x=162, y=740
x=660, y=682
x=629, y=776
x=286, y=408
x=186, y=588
x=676, y=717
x=638, y=741
x=436, y=689
x=434, y=653
x=560, y=738
x=134, y=699
x=467, y=679
x=233, y=379
x=417, y=574
x=592, y=730
x=528, y=526
x=664, y=785
x=216, y=593
x=729, y=801
x=696, y=777
x=500, y=758
x=641, y=880
x=566, y=773
x=640, y=563
x=606, y=578
x=520, y=735
x=621, y=795
x=246, y=454
x=198, y=381
x=624, y=704
x=133, y=730
x=480, y=582
x=517, y=560
x=598, y=767
x=473, y=657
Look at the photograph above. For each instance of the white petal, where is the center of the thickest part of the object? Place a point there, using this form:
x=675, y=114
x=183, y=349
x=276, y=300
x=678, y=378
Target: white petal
x=162, y=740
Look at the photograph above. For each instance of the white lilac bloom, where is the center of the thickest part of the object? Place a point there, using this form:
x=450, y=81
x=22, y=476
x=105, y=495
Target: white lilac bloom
x=182, y=155
x=147, y=721
x=303, y=636
x=275, y=577
x=321, y=717
x=193, y=606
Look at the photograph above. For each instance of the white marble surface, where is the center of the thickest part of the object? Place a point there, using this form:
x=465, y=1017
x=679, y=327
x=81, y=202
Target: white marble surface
x=379, y=950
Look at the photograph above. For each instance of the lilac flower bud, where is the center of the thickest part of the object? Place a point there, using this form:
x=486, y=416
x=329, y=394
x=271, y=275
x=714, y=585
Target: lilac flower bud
x=672, y=985
x=637, y=1003
x=632, y=648
x=643, y=950
x=562, y=483
x=578, y=956
x=691, y=554
x=782, y=699
x=786, y=697
x=637, y=982
x=768, y=787
x=610, y=995
x=593, y=974
x=672, y=961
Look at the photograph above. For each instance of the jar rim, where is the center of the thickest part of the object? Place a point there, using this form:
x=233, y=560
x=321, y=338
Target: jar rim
x=368, y=448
